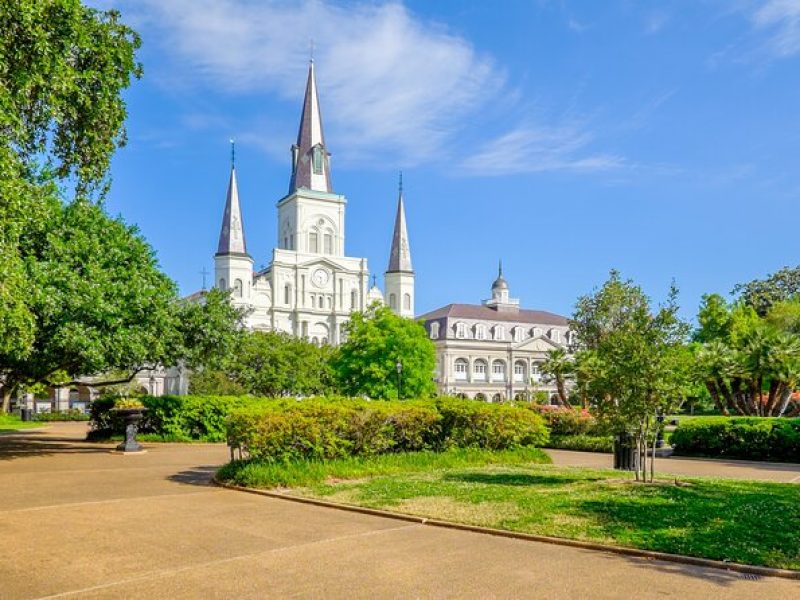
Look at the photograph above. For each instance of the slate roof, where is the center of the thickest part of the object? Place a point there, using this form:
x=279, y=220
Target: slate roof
x=480, y=312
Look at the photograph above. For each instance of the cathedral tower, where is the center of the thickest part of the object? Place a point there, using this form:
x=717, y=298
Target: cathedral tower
x=399, y=277
x=311, y=216
x=233, y=266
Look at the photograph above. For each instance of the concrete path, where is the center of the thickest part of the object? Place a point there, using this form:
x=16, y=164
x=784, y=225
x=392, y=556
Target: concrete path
x=79, y=522
x=691, y=467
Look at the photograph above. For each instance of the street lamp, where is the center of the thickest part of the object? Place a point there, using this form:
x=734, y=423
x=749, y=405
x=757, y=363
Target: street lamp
x=399, y=367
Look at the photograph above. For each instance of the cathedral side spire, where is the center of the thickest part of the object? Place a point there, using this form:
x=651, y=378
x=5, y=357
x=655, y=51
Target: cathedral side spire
x=231, y=235
x=400, y=254
x=310, y=158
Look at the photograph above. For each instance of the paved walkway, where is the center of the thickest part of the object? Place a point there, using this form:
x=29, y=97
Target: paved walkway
x=692, y=467
x=79, y=522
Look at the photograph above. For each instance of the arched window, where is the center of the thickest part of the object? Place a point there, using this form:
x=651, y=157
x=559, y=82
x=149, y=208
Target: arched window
x=222, y=283
x=497, y=398
x=406, y=301
x=329, y=302
x=519, y=371
x=480, y=332
x=434, y=331
x=536, y=332
x=461, y=330
x=536, y=375
x=499, y=332
x=479, y=370
x=480, y=396
x=287, y=294
x=461, y=366
x=313, y=242
x=237, y=288
x=353, y=300
x=328, y=244
x=555, y=335
x=519, y=334
x=393, y=301
x=324, y=341
x=498, y=370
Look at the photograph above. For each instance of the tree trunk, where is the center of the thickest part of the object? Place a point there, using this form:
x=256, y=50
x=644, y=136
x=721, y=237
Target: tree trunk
x=562, y=394
x=774, y=388
x=7, y=391
x=711, y=386
x=783, y=403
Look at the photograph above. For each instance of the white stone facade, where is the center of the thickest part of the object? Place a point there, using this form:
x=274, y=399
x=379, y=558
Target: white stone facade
x=310, y=287
x=493, y=351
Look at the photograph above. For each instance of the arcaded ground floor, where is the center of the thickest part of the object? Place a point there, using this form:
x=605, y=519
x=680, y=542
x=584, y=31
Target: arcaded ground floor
x=78, y=521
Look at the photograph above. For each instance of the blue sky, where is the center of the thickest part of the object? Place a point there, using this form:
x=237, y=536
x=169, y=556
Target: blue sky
x=567, y=138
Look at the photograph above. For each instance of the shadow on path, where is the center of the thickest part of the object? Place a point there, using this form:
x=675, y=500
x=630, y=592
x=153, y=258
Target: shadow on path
x=200, y=475
x=43, y=443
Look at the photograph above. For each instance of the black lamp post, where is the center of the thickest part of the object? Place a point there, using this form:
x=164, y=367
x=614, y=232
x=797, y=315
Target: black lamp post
x=399, y=366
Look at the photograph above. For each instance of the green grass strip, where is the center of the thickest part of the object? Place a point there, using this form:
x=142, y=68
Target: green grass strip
x=261, y=474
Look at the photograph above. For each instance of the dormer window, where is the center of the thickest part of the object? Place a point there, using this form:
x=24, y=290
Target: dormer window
x=317, y=159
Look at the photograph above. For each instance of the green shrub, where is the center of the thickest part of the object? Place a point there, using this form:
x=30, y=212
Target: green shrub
x=584, y=443
x=330, y=429
x=750, y=438
x=173, y=417
x=67, y=415
x=565, y=421
x=470, y=424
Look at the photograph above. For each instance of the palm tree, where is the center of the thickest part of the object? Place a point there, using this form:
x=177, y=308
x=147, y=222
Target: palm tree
x=558, y=365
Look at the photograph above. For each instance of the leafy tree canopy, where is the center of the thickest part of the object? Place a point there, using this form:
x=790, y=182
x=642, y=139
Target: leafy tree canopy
x=376, y=340
x=634, y=361
x=761, y=294
x=267, y=364
x=80, y=292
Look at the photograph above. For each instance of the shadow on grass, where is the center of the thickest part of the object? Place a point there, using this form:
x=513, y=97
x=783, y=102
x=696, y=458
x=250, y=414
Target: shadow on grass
x=513, y=479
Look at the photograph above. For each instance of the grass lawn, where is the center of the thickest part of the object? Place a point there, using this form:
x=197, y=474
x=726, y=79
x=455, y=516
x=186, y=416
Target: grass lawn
x=740, y=521
x=13, y=423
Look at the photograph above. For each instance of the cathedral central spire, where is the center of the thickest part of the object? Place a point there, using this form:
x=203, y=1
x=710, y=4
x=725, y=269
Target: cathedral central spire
x=310, y=158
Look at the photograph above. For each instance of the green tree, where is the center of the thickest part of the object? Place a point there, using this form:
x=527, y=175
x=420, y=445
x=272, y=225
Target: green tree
x=638, y=364
x=559, y=367
x=761, y=294
x=752, y=365
x=101, y=304
x=377, y=339
x=267, y=364
x=63, y=68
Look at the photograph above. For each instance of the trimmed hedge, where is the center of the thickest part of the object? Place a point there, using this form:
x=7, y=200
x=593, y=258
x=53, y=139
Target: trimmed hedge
x=749, y=438
x=330, y=429
x=67, y=415
x=174, y=418
x=583, y=443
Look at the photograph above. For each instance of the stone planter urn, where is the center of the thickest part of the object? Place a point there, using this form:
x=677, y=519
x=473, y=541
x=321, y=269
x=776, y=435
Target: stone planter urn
x=132, y=417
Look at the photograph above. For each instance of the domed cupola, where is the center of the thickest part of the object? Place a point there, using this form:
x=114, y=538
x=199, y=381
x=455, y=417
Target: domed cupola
x=500, y=299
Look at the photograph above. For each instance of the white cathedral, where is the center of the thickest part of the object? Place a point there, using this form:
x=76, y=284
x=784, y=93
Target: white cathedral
x=310, y=286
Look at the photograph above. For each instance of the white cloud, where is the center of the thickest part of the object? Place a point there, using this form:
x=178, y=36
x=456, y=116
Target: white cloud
x=389, y=82
x=531, y=149
x=781, y=19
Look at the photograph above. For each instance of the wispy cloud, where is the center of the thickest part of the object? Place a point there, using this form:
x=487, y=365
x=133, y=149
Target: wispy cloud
x=530, y=149
x=390, y=81
x=780, y=19
x=655, y=22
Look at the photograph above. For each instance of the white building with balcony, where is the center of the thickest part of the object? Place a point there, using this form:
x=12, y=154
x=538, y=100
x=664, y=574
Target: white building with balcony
x=492, y=351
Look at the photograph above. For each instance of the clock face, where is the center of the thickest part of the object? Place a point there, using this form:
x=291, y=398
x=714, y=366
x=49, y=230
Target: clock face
x=320, y=277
